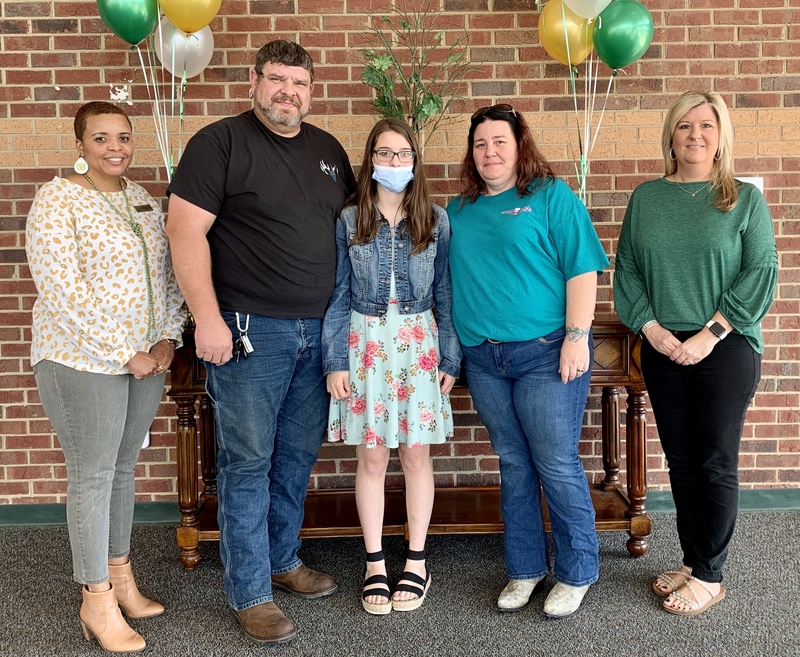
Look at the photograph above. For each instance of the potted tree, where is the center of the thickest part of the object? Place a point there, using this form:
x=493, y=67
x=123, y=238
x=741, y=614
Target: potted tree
x=415, y=74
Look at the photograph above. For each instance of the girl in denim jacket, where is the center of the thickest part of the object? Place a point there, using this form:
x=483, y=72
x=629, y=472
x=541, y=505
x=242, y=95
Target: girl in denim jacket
x=390, y=364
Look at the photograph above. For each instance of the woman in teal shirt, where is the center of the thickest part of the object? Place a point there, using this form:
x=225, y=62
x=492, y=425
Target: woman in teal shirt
x=524, y=259
x=696, y=272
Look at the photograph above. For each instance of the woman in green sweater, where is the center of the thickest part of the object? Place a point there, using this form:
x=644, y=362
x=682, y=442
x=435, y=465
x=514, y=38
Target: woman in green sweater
x=696, y=271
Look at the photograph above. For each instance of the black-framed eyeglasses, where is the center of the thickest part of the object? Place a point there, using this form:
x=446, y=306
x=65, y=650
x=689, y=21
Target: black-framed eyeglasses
x=385, y=156
x=500, y=107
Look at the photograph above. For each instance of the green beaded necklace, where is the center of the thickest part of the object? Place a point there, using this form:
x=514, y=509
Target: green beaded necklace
x=137, y=230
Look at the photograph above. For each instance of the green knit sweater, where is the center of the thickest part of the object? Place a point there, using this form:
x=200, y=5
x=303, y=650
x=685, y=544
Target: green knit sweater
x=680, y=259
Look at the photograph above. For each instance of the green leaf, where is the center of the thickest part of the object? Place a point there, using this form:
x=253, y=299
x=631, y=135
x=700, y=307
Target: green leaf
x=431, y=105
x=373, y=77
x=381, y=62
x=389, y=108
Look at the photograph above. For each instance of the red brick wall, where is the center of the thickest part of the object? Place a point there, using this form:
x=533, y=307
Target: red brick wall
x=57, y=54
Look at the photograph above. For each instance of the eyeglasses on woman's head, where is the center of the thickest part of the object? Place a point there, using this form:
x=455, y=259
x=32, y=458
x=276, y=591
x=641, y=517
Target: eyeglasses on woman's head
x=503, y=108
x=385, y=156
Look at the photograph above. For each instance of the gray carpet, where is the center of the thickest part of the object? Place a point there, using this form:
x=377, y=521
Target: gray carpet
x=620, y=616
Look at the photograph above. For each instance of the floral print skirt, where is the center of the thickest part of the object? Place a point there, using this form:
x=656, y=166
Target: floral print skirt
x=394, y=383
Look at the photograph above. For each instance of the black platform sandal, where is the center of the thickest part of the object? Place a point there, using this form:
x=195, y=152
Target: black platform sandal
x=371, y=607
x=420, y=586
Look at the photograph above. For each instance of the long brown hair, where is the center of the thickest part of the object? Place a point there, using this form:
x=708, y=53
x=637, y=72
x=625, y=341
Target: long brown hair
x=531, y=164
x=722, y=180
x=416, y=204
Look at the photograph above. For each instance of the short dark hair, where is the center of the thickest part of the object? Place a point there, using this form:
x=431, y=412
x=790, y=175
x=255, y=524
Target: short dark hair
x=95, y=108
x=283, y=52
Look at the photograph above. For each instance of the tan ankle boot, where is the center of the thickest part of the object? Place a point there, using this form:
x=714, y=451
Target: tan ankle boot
x=101, y=619
x=133, y=603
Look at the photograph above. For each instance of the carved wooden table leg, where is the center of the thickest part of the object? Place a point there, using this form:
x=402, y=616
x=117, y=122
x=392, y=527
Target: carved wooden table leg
x=635, y=429
x=188, y=539
x=610, y=412
x=208, y=443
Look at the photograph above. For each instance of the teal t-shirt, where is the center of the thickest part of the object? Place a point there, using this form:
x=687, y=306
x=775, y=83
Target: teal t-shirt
x=510, y=260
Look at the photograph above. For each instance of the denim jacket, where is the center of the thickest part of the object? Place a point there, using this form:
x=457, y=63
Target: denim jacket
x=363, y=282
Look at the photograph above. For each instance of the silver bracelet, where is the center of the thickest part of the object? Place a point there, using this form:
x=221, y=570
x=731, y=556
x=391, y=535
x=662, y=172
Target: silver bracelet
x=650, y=324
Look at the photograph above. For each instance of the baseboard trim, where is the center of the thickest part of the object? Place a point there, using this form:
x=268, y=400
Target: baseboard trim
x=145, y=513
x=766, y=499
x=154, y=513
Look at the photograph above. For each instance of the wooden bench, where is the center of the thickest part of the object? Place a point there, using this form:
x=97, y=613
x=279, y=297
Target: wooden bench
x=330, y=513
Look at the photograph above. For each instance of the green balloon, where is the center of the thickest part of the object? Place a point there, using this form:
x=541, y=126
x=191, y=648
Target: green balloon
x=622, y=33
x=130, y=20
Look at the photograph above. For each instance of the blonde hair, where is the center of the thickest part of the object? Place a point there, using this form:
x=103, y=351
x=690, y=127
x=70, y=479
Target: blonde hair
x=722, y=172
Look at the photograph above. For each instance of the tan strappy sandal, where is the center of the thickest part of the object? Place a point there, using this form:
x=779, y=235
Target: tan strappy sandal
x=688, y=595
x=675, y=579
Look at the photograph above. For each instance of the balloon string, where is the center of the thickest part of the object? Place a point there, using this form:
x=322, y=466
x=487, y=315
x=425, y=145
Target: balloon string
x=159, y=108
x=153, y=97
x=591, y=74
x=156, y=102
x=181, y=114
x=588, y=110
x=166, y=124
x=578, y=170
x=573, y=87
x=566, y=33
x=172, y=91
x=602, y=113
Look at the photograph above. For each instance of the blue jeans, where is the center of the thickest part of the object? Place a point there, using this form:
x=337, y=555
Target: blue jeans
x=534, y=422
x=101, y=421
x=700, y=412
x=271, y=410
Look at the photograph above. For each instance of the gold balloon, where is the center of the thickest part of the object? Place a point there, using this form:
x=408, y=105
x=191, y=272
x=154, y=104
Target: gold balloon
x=561, y=28
x=190, y=15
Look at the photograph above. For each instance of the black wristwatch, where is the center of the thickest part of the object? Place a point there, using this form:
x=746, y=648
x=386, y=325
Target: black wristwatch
x=717, y=329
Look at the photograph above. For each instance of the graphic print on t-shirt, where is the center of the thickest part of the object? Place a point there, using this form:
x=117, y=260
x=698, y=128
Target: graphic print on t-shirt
x=516, y=211
x=331, y=169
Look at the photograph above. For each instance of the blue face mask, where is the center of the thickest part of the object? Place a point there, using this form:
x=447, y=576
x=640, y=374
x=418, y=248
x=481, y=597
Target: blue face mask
x=393, y=179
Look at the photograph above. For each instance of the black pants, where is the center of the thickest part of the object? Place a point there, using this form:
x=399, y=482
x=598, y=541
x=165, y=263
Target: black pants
x=700, y=411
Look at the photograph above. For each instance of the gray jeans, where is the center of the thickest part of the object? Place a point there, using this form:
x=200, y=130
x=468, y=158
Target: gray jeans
x=101, y=421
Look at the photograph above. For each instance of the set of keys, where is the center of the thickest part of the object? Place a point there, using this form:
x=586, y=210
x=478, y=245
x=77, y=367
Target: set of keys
x=242, y=346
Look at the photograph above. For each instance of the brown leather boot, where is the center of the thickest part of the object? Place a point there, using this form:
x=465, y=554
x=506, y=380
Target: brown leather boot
x=133, y=603
x=302, y=582
x=265, y=623
x=101, y=619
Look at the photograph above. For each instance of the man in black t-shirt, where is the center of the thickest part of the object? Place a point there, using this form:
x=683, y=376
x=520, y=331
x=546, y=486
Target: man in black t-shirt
x=252, y=213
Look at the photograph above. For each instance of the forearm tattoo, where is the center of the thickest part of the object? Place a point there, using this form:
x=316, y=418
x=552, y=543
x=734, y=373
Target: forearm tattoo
x=576, y=334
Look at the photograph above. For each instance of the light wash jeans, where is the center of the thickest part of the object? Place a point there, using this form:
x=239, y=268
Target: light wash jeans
x=271, y=409
x=101, y=421
x=534, y=422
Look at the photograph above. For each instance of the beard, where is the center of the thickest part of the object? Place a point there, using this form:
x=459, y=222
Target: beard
x=280, y=117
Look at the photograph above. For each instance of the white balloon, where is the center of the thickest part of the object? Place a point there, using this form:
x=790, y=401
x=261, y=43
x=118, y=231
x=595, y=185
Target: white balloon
x=178, y=51
x=587, y=8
